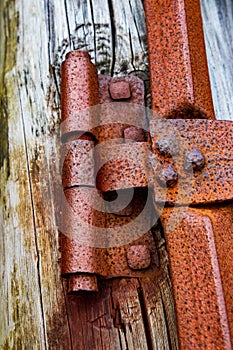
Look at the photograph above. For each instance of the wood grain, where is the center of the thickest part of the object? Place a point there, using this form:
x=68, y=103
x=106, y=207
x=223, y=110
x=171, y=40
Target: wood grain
x=34, y=38
x=218, y=24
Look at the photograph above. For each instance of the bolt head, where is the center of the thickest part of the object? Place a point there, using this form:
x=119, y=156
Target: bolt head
x=166, y=146
x=195, y=160
x=133, y=133
x=120, y=90
x=167, y=176
x=138, y=257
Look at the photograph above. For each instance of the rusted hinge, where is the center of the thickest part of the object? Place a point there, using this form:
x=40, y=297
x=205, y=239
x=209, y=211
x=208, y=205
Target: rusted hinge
x=121, y=172
x=104, y=155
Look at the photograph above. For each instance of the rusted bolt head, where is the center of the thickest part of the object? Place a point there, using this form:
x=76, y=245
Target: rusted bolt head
x=167, y=176
x=133, y=133
x=138, y=257
x=119, y=90
x=195, y=160
x=166, y=146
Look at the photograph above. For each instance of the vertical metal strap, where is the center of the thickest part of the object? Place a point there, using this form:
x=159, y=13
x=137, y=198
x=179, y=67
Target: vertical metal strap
x=180, y=84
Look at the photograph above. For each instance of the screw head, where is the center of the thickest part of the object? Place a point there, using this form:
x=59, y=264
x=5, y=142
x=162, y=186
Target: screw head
x=120, y=90
x=195, y=160
x=138, y=257
x=167, y=176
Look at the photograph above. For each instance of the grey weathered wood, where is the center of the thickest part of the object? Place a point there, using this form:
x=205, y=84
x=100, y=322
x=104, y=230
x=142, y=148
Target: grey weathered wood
x=34, y=38
x=218, y=30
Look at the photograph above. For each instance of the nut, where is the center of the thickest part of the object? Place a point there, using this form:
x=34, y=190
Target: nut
x=138, y=257
x=167, y=176
x=120, y=90
x=195, y=160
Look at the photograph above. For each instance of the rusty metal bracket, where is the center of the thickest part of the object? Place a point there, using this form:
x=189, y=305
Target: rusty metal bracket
x=97, y=145
x=184, y=158
x=199, y=240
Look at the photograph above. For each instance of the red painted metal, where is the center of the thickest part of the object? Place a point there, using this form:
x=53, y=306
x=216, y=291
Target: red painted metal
x=138, y=257
x=83, y=247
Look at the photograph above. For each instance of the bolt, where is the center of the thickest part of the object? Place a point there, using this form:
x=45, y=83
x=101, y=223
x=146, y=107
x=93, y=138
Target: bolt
x=195, y=160
x=167, y=176
x=138, y=257
x=166, y=146
x=120, y=90
x=133, y=133
x=163, y=146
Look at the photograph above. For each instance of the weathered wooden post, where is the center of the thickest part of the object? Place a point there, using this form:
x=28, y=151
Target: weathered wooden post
x=36, y=312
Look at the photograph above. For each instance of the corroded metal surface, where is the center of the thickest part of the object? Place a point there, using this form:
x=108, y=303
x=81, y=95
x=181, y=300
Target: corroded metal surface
x=180, y=85
x=199, y=241
x=222, y=222
x=120, y=90
x=185, y=162
x=124, y=166
x=118, y=113
x=79, y=91
x=196, y=277
x=86, y=249
x=138, y=257
x=201, y=152
x=98, y=145
x=78, y=163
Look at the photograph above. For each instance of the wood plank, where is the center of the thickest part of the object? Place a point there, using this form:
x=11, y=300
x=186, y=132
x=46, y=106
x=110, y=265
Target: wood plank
x=129, y=314
x=218, y=24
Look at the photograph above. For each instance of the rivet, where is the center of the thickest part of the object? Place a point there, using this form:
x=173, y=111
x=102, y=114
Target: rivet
x=195, y=160
x=120, y=90
x=138, y=257
x=167, y=176
x=165, y=146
